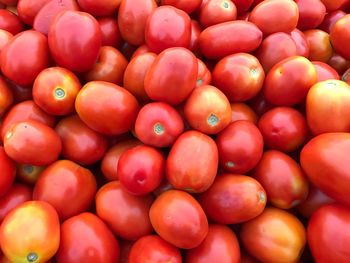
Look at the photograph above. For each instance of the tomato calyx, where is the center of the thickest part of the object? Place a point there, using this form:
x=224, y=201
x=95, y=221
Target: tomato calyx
x=59, y=93
x=213, y=120
x=158, y=128
x=32, y=257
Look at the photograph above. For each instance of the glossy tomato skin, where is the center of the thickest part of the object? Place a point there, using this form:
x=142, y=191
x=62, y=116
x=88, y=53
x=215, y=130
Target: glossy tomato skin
x=192, y=169
x=243, y=36
x=311, y=13
x=110, y=102
x=31, y=230
x=100, y=8
x=220, y=245
x=172, y=76
x=243, y=112
x=153, y=248
x=10, y=22
x=129, y=219
x=330, y=19
x=83, y=40
x=319, y=44
x=6, y=96
x=110, y=31
x=217, y=11
x=264, y=241
x=233, y=199
x=5, y=37
x=339, y=35
x=204, y=74
x=185, y=5
x=83, y=234
x=166, y=215
x=31, y=142
x=325, y=71
x=301, y=44
x=8, y=172
x=236, y=157
x=22, y=66
x=27, y=10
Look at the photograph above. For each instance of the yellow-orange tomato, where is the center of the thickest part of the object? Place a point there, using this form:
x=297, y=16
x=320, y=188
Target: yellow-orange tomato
x=30, y=233
x=319, y=44
x=242, y=112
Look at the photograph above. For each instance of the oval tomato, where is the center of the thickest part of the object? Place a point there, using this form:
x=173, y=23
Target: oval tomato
x=110, y=32
x=28, y=9
x=311, y=13
x=243, y=112
x=216, y=12
x=325, y=71
x=10, y=22
x=8, y=172
x=340, y=34
x=5, y=37
x=319, y=44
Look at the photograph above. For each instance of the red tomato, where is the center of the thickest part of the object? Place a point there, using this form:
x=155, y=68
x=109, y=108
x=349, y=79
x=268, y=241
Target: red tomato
x=6, y=96
x=167, y=217
x=129, y=219
x=8, y=172
x=10, y=22
x=242, y=5
x=319, y=44
x=101, y=7
x=239, y=76
x=340, y=34
x=110, y=32
x=267, y=16
x=235, y=156
x=86, y=238
x=217, y=11
x=204, y=74
x=325, y=71
x=195, y=33
x=242, y=112
x=99, y=101
x=194, y=168
x=55, y=90
x=300, y=43
x=22, y=66
x=29, y=174
x=28, y=9
x=330, y=19
x=75, y=39
x=141, y=50
x=186, y=5
x=172, y=76
x=233, y=199
x=153, y=248
x=311, y=13
x=5, y=37
x=332, y=5
x=339, y=63
x=30, y=233
x=283, y=128
x=243, y=36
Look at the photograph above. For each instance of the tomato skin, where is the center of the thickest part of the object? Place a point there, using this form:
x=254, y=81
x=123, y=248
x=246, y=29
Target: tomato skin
x=30, y=230
x=325, y=71
x=10, y=22
x=21, y=66
x=243, y=36
x=83, y=39
x=6, y=96
x=110, y=32
x=339, y=35
x=339, y=63
x=172, y=76
x=192, y=169
x=166, y=215
x=195, y=33
x=217, y=11
x=5, y=37
x=129, y=219
x=100, y=8
x=330, y=19
x=300, y=43
x=267, y=16
x=84, y=233
x=236, y=157
x=185, y=5
x=264, y=241
x=311, y=13
x=242, y=5
x=29, y=174
x=153, y=248
x=27, y=10
x=111, y=102
x=243, y=112
x=204, y=74
x=319, y=44
x=8, y=172
x=233, y=199
x=332, y=5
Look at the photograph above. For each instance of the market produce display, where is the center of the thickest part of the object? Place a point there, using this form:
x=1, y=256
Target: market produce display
x=169, y=131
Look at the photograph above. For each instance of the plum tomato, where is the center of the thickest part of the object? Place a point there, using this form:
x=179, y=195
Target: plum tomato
x=340, y=35
x=5, y=37
x=110, y=31
x=300, y=43
x=311, y=13
x=216, y=12
x=6, y=96
x=10, y=22
x=8, y=172
x=101, y=7
x=204, y=74
x=243, y=112
x=320, y=47
x=28, y=9
x=325, y=71
x=28, y=173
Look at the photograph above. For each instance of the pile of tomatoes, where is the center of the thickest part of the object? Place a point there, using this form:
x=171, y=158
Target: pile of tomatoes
x=170, y=131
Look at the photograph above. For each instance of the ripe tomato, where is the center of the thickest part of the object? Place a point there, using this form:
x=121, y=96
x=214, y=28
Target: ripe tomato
x=101, y=7
x=30, y=233
x=339, y=63
x=300, y=43
x=330, y=19
x=204, y=74
x=195, y=33
x=242, y=5
x=242, y=112
x=311, y=13
x=339, y=35
x=325, y=71
x=233, y=199
x=141, y=50
x=332, y=5
x=10, y=22
x=153, y=248
x=6, y=96
x=99, y=101
x=5, y=37
x=110, y=31
x=129, y=219
x=186, y=5
x=75, y=39
x=29, y=174
x=319, y=44
x=86, y=238
x=8, y=172
x=235, y=156
x=216, y=12
x=194, y=168
x=167, y=217
x=28, y=9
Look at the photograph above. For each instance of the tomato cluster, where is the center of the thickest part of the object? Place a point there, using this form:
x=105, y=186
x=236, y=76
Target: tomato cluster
x=170, y=131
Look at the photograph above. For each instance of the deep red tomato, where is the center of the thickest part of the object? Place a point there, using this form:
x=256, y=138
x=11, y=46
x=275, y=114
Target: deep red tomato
x=153, y=248
x=110, y=31
x=332, y=5
x=204, y=74
x=5, y=37
x=86, y=238
x=141, y=50
x=75, y=39
x=28, y=9
x=8, y=172
x=10, y=22
x=300, y=43
x=235, y=156
x=188, y=6
x=101, y=7
x=22, y=66
x=242, y=112
x=319, y=44
x=194, y=168
x=217, y=11
x=29, y=174
x=340, y=35
x=129, y=219
x=233, y=199
x=6, y=96
x=172, y=76
x=325, y=71
x=167, y=217
x=311, y=13
x=330, y=19
x=339, y=63
x=242, y=5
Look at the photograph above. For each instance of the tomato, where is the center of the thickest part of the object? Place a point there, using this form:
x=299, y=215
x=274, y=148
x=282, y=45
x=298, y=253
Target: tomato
x=300, y=75
x=10, y=22
x=233, y=199
x=110, y=102
x=5, y=37
x=30, y=232
x=188, y=6
x=22, y=66
x=132, y=17
x=243, y=36
x=217, y=11
x=300, y=43
x=194, y=168
x=29, y=174
x=274, y=236
x=339, y=63
x=325, y=161
x=8, y=172
x=283, y=128
x=332, y=5
x=55, y=90
x=242, y=112
x=319, y=44
x=129, y=219
x=242, y=5
x=311, y=13
x=101, y=7
x=267, y=16
x=28, y=9
x=167, y=217
x=86, y=238
x=239, y=76
x=328, y=233
x=109, y=67
x=75, y=39
x=6, y=96
x=259, y=104
x=152, y=248
x=330, y=19
x=235, y=156
x=172, y=76
x=110, y=32
x=17, y=195
x=135, y=74
x=275, y=48
x=167, y=27
x=325, y=71
x=204, y=74
x=339, y=35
